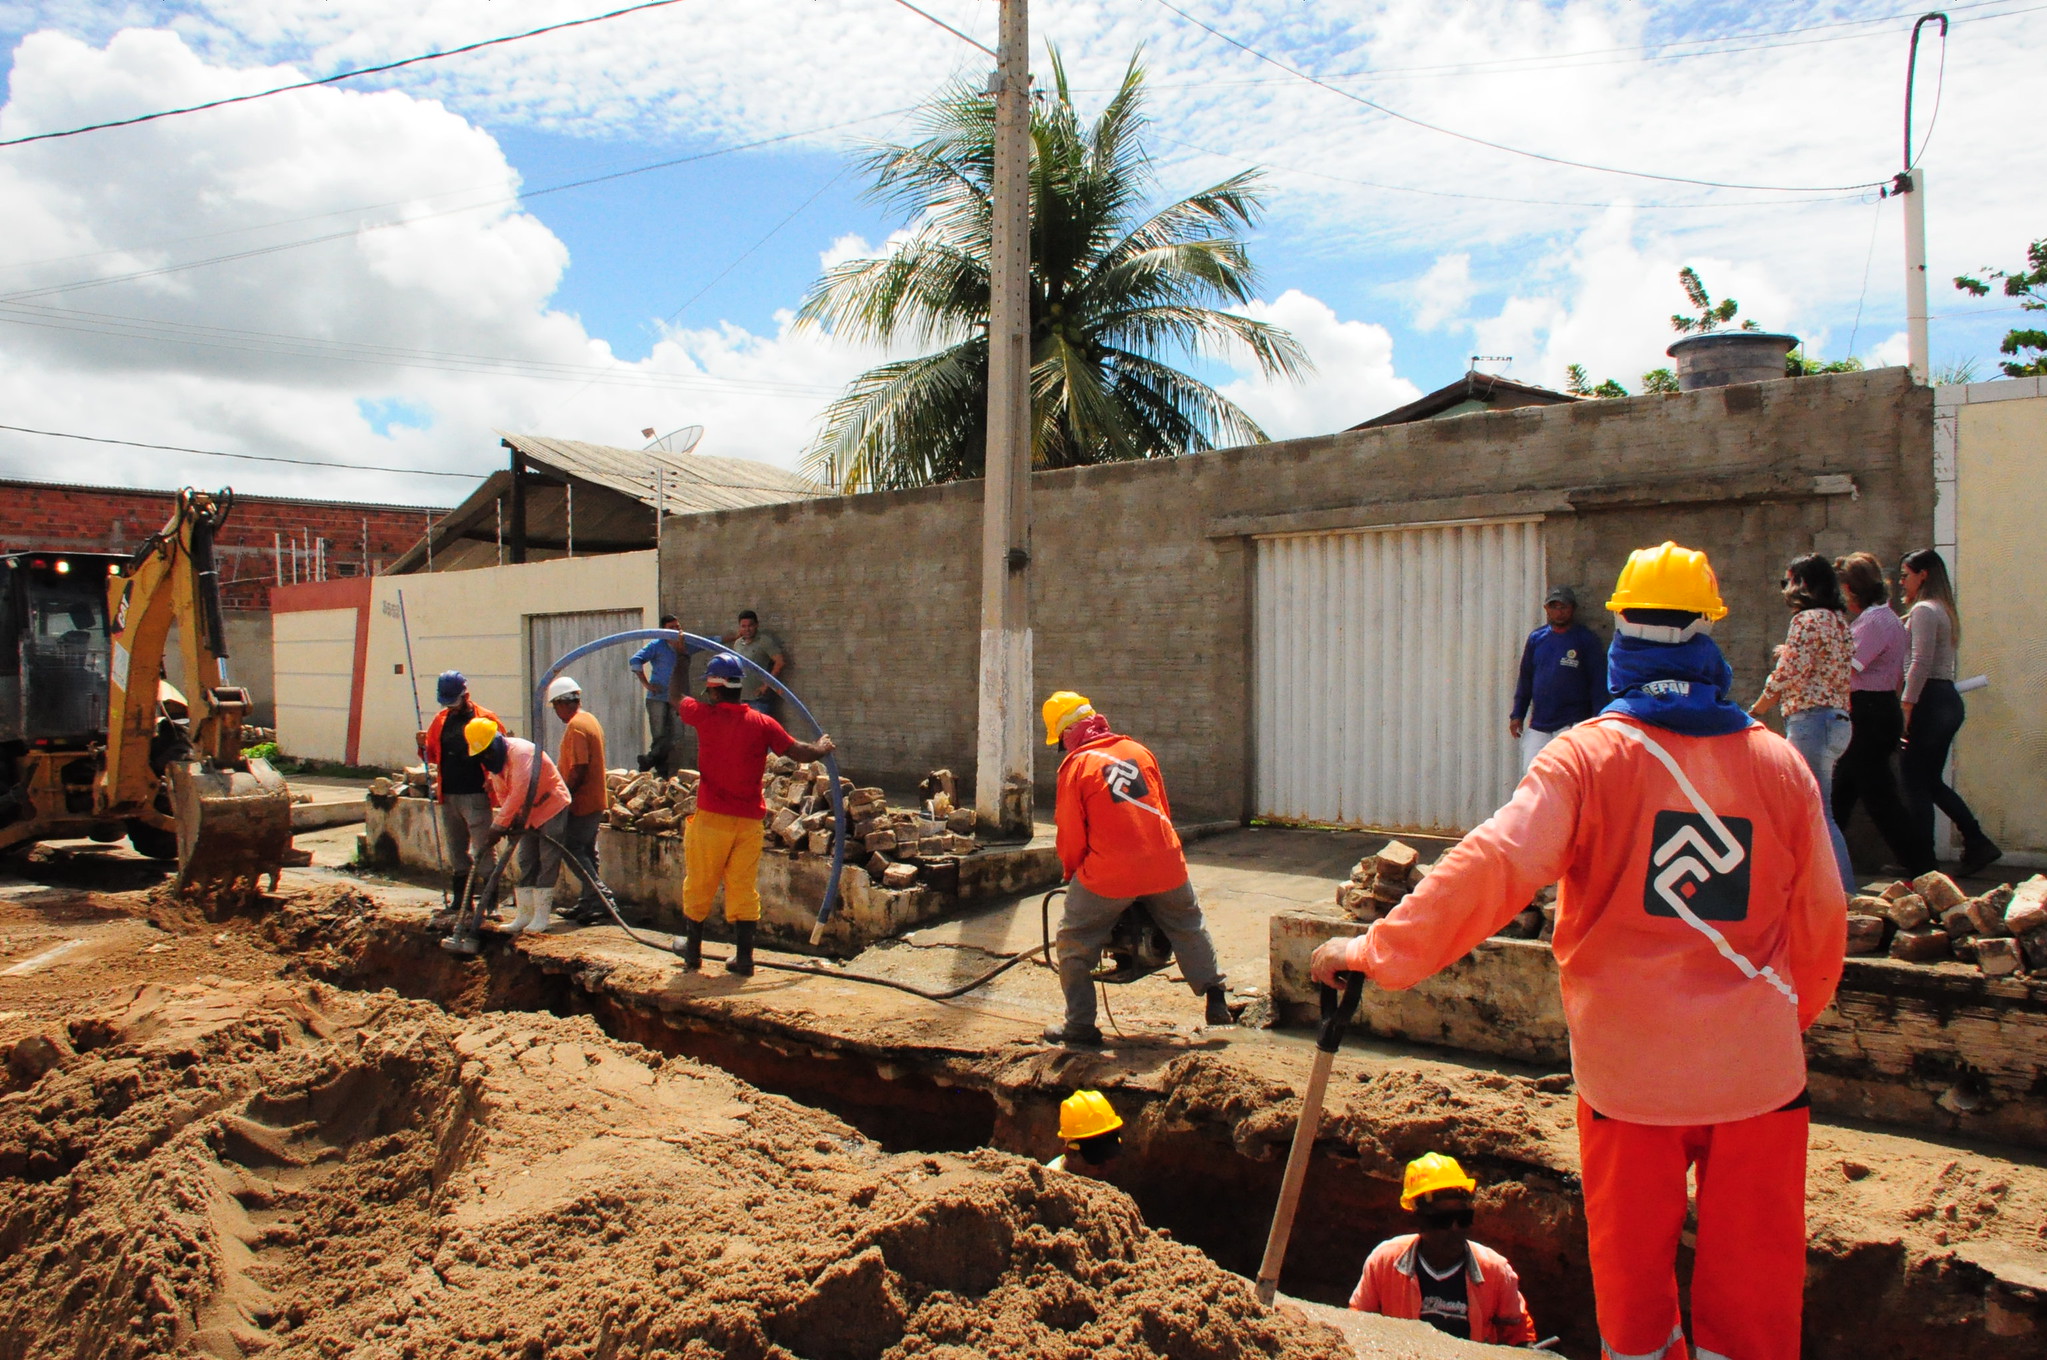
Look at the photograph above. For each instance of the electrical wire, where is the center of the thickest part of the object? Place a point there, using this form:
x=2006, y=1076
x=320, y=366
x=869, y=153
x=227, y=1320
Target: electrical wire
x=1437, y=128
x=963, y=37
x=1867, y=261
x=342, y=75
x=245, y=457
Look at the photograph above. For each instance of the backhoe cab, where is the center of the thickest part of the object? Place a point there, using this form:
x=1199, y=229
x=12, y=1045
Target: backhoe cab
x=94, y=743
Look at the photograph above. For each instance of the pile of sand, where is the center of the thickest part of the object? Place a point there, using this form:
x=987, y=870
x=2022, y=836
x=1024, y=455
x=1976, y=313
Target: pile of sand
x=224, y=1168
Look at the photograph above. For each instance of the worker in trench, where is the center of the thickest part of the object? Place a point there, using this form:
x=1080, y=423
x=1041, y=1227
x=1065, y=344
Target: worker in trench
x=459, y=789
x=532, y=804
x=582, y=768
x=1438, y=1275
x=1700, y=930
x=1117, y=847
x=1090, y=1128
x=721, y=845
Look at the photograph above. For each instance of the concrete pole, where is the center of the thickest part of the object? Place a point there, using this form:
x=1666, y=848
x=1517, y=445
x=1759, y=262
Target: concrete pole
x=1002, y=768
x=1912, y=184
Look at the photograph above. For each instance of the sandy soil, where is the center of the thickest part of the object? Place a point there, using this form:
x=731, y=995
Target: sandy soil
x=204, y=1155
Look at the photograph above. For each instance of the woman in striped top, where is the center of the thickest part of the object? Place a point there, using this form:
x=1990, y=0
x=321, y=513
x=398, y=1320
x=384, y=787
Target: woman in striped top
x=1933, y=709
x=1811, y=681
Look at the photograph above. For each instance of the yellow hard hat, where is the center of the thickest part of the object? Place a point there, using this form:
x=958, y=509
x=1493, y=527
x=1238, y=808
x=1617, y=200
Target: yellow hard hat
x=1085, y=1114
x=1430, y=1172
x=1062, y=711
x=479, y=733
x=1669, y=577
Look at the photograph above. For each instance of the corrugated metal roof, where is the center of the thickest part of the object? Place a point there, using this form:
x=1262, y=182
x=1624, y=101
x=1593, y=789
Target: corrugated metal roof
x=693, y=482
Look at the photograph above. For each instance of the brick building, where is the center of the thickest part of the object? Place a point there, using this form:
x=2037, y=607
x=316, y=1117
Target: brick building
x=268, y=539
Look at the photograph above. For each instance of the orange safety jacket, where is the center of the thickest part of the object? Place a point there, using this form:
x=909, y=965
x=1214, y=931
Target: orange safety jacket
x=430, y=749
x=1700, y=920
x=1116, y=835
x=1498, y=1315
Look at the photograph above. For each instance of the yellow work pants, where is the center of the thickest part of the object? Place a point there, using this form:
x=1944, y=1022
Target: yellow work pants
x=717, y=849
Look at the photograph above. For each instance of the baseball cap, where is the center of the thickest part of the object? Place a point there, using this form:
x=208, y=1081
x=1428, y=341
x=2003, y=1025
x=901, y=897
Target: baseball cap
x=1561, y=595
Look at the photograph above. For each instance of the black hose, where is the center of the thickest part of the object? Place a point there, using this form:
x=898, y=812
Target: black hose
x=673, y=943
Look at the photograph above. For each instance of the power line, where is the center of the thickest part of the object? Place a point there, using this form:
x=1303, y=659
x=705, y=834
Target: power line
x=342, y=75
x=1389, y=112
x=963, y=37
x=245, y=457
x=1702, y=205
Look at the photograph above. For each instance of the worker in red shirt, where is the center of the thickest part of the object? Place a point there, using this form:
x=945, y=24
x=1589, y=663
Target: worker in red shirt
x=721, y=845
x=1117, y=847
x=1439, y=1275
x=1700, y=929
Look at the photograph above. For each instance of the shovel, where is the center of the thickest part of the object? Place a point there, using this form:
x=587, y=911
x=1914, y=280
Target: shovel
x=1335, y=1015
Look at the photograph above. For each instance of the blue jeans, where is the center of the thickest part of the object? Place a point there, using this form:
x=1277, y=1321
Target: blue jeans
x=1821, y=735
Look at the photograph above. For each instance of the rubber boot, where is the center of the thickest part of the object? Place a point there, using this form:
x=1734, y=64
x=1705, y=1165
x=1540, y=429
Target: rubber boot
x=741, y=964
x=543, y=911
x=456, y=883
x=1076, y=980
x=1218, y=1012
x=527, y=902
x=692, y=946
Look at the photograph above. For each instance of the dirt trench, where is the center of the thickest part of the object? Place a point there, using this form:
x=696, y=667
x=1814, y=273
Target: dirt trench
x=1915, y=1255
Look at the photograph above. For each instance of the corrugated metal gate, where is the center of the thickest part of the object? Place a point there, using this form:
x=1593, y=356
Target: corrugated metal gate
x=1386, y=661
x=609, y=689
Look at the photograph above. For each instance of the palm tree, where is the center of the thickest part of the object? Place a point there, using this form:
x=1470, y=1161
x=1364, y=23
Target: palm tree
x=1109, y=295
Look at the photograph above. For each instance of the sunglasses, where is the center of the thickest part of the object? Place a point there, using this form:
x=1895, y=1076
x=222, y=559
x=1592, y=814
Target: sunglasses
x=1438, y=1219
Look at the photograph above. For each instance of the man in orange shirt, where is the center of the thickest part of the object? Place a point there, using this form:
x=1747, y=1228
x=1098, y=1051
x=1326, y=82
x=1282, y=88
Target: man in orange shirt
x=1117, y=846
x=1700, y=929
x=1439, y=1275
x=582, y=769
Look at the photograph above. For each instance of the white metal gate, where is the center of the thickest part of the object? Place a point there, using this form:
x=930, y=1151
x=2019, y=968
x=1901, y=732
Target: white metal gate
x=609, y=689
x=1386, y=662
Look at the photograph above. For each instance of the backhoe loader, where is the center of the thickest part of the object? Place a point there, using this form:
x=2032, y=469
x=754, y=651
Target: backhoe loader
x=94, y=742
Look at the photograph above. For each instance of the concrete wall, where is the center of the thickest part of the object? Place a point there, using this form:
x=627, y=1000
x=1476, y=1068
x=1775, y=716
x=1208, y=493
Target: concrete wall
x=1142, y=572
x=1996, y=434
x=348, y=698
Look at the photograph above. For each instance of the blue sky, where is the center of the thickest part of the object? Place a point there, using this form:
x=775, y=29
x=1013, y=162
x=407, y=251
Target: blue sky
x=441, y=309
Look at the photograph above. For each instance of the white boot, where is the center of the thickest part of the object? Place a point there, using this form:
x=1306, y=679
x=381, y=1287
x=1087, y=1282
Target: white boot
x=528, y=900
x=543, y=911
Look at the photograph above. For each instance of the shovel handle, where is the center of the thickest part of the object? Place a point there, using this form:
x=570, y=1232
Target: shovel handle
x=1337, y=1010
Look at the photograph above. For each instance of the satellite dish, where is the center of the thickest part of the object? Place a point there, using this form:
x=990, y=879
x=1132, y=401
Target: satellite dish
x=679, y=441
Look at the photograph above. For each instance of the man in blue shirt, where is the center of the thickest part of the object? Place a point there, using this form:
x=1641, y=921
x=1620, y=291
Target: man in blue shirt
x=1563, y=676
x=654, y=665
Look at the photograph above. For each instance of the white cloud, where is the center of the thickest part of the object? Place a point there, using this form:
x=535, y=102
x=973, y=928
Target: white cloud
x=1441, y=295
x=1353, y=378
x=306, y=353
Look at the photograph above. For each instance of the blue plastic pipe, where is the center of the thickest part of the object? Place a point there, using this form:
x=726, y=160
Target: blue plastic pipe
x=691, y=645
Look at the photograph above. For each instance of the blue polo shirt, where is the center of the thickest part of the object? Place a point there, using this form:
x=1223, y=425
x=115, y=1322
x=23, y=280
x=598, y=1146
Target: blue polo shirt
x=659, y=658
x=1563, y=677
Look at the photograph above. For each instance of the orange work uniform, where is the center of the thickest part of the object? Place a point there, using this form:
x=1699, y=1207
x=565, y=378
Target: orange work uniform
x=1390, y=1288
x=1116, y=836
x=1700, y=929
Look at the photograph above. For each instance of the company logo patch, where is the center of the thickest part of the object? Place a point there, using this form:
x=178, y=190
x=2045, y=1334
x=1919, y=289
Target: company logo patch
x=1676, y=688
x=1125, y=781
x=1693, y=866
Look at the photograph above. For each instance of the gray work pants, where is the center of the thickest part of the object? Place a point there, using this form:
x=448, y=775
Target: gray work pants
x=1085, y=927
x=581, y=837
x=465, y=832
x=540, y=859
x=663, y=724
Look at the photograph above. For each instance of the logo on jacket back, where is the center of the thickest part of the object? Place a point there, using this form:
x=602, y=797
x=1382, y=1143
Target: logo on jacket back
x=1125, y=781
x=1696, y=870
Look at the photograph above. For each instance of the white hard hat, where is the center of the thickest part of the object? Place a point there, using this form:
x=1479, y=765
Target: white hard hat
x=562, y=687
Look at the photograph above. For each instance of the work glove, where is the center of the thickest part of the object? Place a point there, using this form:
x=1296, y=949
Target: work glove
x=1342, y=955
x=498, y=833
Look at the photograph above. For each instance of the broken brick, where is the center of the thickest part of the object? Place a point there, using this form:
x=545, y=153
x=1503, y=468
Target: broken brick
x=899, y=876
x=1396, y=860
x=1866, y=934
x=1921, y=946
x=1909, y=912
x=2028, y=908
x=1939, y=891
x=1998, y=957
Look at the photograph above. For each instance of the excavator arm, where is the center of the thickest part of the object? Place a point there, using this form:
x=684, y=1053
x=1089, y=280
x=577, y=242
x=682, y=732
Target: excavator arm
x=232, y=815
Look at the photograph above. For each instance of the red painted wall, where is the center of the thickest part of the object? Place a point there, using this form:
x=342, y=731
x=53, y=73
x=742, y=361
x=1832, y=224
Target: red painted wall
x=62, y=518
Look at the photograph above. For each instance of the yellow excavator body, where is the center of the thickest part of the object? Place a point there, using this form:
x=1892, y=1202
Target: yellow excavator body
x=94, y=741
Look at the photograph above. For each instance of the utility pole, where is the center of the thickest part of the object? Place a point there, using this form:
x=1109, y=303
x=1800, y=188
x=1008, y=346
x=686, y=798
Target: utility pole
x=1003, y=799
x=1911, y=185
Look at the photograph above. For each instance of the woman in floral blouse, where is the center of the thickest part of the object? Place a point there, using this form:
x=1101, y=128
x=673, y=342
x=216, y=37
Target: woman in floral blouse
x=1811, y=681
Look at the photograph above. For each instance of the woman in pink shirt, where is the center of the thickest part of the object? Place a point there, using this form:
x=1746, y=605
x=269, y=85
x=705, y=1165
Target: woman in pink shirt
x=1811, y=681
x=1864, y=773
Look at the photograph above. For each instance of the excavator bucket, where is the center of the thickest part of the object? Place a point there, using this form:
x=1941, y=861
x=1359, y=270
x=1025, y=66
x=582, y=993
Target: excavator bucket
x=234, y=827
